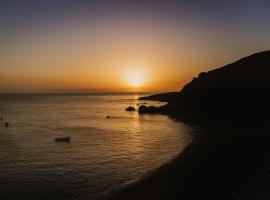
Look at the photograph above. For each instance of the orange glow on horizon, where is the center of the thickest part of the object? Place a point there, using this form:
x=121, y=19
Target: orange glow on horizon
x=129, y=57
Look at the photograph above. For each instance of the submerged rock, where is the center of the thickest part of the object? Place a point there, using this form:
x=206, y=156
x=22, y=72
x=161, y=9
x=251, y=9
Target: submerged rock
x=1, y=118
x=6, y=124
x=147, y=109
x=130, y=108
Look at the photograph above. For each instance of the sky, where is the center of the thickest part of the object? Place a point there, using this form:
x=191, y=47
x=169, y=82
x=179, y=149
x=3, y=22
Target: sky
x=116, y=45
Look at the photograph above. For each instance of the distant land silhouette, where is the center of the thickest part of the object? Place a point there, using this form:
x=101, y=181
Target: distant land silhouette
x=241, y=88
x=230, y=155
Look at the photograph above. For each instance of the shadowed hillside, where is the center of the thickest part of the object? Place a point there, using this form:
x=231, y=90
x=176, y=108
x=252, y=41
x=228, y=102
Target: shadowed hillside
x=239, y=88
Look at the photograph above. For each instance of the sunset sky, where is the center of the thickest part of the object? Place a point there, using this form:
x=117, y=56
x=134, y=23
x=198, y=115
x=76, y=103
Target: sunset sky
x=126, y=45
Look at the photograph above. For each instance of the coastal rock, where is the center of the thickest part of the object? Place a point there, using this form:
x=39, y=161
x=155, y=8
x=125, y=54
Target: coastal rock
x=239, y=89
x=147, y=109
x=130, y=108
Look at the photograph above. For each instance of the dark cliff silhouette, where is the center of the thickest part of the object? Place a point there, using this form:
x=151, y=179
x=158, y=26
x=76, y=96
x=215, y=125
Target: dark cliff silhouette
x=240, y=89
x=230, y=155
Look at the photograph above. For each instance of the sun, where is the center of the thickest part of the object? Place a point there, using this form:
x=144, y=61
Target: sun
x=136, y=82
x=135, y=79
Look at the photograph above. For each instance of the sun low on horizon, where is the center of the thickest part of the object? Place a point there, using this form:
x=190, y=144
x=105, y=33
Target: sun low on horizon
x=135, y=79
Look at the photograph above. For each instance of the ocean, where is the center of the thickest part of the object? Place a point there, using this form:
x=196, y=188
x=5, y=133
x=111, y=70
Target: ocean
x=104, y=155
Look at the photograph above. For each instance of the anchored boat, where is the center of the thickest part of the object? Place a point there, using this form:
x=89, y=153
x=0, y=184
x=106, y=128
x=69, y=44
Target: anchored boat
x=62, y=139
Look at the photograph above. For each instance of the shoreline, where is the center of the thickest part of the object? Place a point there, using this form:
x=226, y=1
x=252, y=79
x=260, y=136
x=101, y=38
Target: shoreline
x=205, y=169
x=156, y=172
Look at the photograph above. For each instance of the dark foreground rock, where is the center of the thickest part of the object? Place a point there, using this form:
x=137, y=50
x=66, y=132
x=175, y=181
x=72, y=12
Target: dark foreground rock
x=147, y=109
x=130, y=108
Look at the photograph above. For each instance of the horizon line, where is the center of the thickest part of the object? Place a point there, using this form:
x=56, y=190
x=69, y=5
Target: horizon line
x=79, y=92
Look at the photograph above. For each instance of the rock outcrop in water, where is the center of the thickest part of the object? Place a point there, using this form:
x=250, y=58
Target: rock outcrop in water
x=130, y=108
x=241, y=88
x=147, y=109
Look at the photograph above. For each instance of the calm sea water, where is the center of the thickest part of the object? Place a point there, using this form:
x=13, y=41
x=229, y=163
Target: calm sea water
x=103, y=156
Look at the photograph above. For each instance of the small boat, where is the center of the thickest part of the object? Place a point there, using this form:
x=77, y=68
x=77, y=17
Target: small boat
x=62, y=139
